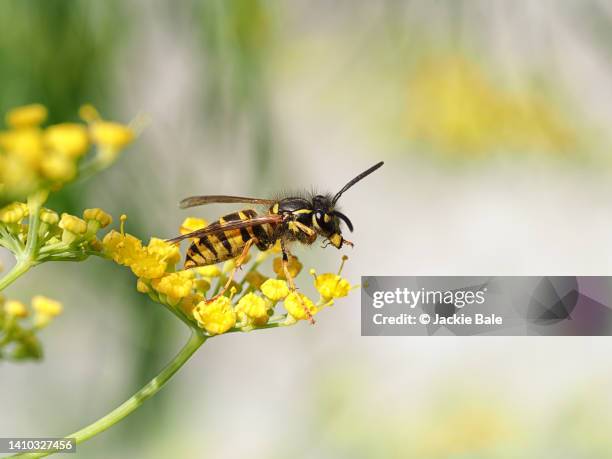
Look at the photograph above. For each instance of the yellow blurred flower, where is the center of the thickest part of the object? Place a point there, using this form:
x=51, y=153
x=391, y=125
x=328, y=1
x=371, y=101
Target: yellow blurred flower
x=45, y=309
x=58, y=167
x=111, y=135
x=216, y=317
x=454, y=106
x=293, y=266
x=67, y=138
x=15, y=308
x=26, y=116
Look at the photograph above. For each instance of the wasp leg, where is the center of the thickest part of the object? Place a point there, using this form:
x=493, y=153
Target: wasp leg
x=239, y=261
x=292, y=286
x=312, y=234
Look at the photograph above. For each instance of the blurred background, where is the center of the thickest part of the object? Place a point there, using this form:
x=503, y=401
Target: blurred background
x=492, y=118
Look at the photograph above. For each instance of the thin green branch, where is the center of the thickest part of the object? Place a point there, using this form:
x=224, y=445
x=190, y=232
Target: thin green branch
x=135, y=401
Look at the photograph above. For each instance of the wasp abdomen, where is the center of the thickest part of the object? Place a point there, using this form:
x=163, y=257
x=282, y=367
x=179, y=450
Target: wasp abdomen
x=222, y=246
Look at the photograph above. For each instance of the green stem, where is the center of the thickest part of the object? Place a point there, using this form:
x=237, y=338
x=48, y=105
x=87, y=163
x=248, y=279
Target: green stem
x=19, y=269
x=136, y=400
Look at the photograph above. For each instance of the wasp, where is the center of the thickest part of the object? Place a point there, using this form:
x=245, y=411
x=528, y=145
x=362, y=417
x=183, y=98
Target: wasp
x=288, y=220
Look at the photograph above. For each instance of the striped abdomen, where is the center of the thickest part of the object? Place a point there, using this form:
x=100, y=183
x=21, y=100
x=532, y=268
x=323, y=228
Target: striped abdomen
x=226, y=245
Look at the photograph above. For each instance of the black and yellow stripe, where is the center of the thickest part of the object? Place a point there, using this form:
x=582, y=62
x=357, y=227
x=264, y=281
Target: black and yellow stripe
x=222, y=246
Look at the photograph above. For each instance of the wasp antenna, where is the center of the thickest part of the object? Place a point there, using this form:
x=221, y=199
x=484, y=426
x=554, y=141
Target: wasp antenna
x=361, y=176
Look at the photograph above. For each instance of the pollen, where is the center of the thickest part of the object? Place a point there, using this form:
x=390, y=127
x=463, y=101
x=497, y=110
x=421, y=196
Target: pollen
x=170, y=253
x=216, y=317
x=331, y=286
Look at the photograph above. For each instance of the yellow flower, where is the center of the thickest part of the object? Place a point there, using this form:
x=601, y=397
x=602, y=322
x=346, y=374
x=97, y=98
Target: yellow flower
x=49, y=216
x=188, y=303
x=26, y=144
x=297, y=308
x=111, y=135
x=293, y=266
x=46, y=309
x=331, y=286
x=216, y=317
x=141, y=285
x=275, y=289
x=254, y=308
x=13, y=213
x=170, y=253
x=15, y=308
x=72, y=225
x=174, y=285
x=208, y=271
x=191, y=224
x=89, y=113
x=202, y=285
x=56, y=166
x=44, y=305
x=145, y=264
x=26, y=116
x=99, y=216
x=68, y=138
x=124, y=249
x=255, y=279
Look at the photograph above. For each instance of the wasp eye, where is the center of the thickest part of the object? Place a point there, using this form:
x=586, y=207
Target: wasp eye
x=319, y=216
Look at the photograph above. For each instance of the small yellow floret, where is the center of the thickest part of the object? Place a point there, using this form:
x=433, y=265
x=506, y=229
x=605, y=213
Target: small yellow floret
x=67, y=138
x=110, y=134
x=174, y=285
x=56, y=166
x=98, y=215
x=72, y=224
x=208, y=271
x=331, y=286
x=49, y=216
x=293, y=266
x=297, y=308
x=15, y=308
x=191, y=224
x=275, y=289
x=46, y=306
x=170, y=253
x=216, y=317
x=26, y=116
x=13, y=213
x=254, y=308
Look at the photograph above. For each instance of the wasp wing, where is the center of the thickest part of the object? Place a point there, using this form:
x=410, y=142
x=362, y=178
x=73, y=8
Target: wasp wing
x=202, y=200
x=216, y=228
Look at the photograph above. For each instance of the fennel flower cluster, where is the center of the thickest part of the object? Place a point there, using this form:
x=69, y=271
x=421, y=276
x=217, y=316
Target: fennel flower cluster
x=250, y=303
x=33, y=157
x=34, y=162
x=19, y=325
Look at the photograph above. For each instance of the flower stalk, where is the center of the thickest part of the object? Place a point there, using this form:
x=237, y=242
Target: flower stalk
x=135, y=401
